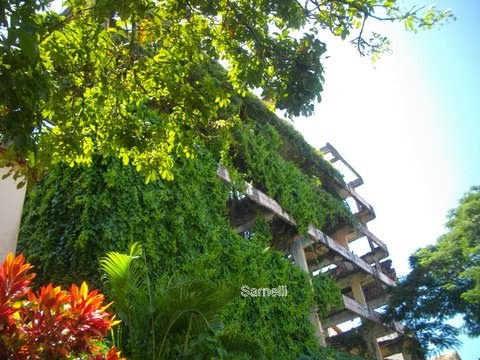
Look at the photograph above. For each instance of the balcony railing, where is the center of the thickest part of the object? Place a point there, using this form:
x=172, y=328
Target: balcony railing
x=315, y=234
x=354, y=309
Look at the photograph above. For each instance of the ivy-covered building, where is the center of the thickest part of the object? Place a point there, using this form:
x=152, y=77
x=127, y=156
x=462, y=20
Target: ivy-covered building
x=276, y=212
x=364, y=279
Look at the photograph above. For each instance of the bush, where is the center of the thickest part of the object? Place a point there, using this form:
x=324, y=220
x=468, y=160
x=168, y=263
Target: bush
x=51, y=323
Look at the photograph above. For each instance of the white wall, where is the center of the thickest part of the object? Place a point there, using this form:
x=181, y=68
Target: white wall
x=11, y=205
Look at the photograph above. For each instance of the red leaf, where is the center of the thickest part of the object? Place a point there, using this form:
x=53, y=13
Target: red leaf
x=14, y=280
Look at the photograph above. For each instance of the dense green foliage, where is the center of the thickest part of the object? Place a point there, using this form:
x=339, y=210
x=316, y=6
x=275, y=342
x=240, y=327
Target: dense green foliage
x=293, y=147
x=303, y=196
x=75, y=215
x=183, y=224
x=183, y=227
x=179, y=319
x=444, y=281
x=326, y=294
x=78, y=214
x=123, y=78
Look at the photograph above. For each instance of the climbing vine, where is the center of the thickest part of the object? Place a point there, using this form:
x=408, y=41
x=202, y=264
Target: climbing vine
x=76, y=215
x=327, y=294
x=257, y=154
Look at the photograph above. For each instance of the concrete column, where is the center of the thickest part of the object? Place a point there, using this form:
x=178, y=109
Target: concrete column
x=357, y=290
x=11, y=205
x=298, y=253
x=369, y=335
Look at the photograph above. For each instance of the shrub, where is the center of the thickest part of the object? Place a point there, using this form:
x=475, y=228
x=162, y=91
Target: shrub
x=51, y=323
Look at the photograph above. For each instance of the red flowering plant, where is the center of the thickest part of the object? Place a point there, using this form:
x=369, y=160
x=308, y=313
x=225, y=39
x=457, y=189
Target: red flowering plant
x=51, y=323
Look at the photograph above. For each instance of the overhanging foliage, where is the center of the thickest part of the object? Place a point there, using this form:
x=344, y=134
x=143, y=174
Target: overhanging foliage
x=125, y=79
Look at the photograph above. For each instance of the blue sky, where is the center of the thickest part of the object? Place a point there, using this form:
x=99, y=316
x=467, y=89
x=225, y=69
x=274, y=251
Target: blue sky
x=410, y=126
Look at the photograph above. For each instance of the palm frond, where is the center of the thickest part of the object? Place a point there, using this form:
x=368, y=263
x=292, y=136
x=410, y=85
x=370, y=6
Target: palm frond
x=158, y=318
x=189, y=308
x=196, y=296
x=116, y=266
x=236, y=343
x=126, y=281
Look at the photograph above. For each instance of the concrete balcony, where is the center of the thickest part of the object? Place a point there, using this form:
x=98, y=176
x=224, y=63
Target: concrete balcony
x=329, y=150
x=365, y=211
x=273, y=210
x=353, y=309
x=343, y=254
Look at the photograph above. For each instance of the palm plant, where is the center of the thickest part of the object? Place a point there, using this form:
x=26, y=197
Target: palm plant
x=175, y=319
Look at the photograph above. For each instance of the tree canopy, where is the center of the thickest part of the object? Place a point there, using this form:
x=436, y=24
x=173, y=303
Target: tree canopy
x=136, y=79
x=444, y=281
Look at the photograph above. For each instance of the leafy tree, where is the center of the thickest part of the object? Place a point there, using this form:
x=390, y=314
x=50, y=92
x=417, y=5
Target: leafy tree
x=137, y=79
x=444, y=281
